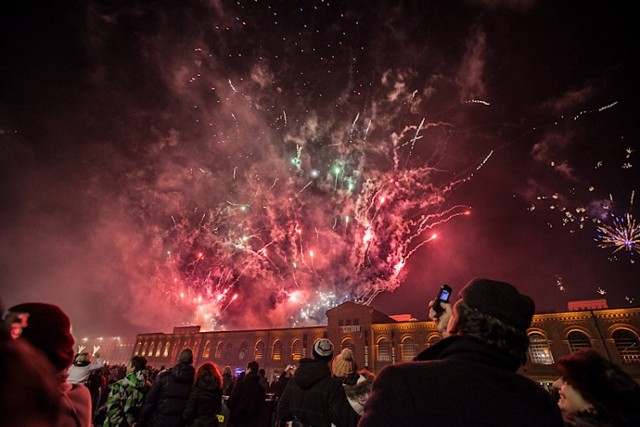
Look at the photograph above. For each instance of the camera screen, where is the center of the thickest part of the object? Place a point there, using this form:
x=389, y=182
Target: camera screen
x=444, y=295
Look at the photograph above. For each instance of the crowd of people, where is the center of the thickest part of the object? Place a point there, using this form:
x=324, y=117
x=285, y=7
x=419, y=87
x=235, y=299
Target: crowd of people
x=469, y=378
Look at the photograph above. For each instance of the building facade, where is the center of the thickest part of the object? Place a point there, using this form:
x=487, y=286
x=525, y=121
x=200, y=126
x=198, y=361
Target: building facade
x=378, y=340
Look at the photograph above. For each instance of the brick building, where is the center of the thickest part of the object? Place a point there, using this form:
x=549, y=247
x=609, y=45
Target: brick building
x=377, y=340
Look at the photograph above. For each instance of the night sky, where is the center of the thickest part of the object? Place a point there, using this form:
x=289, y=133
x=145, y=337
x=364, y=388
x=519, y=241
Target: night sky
x=251, y=164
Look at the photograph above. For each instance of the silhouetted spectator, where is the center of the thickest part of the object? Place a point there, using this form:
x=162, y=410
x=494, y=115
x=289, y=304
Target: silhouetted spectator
x=169, y=394
x=595, y=392
x=205, y=400
x=312, y=396
x=227, y=381
x=468, y=378
x=247, y=399
x=49, y=330
x=262, y=374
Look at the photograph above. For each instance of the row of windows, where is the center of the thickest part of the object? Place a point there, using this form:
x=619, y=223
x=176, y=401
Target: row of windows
x=225, y=351
x=626, y=343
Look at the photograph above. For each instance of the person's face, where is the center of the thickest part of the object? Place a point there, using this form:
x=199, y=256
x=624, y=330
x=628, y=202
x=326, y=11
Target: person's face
x=130, y=368
x=570, y=399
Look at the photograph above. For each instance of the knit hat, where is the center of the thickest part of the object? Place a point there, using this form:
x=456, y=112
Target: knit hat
x=343, y=364
x=49, y=330
x=323, y=350
x=186, y=356
x=500, y=300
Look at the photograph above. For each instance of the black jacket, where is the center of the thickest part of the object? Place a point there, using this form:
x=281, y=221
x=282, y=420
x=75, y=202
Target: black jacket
x=204, y=404
x=314, y=398
x=246, y=401
x=458, y=382
x=167, y=399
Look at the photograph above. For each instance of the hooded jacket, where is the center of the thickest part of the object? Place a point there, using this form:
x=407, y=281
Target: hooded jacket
x=247, y=400
x=313, y=397
x=168, y=397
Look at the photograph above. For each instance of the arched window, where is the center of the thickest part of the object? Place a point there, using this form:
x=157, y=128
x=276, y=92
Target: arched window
x=433, y=339
x=136, y=352
x=259, y=350
x=277, y=350
x=207, y=349
x=578, y=340
x=152, y=346
x=219, y=349
x=384, y=350
x=296, y=350
x=167, y=346
x=539, y=352
x=144, y=349
x=243, y=351
x=627, y=346
x=176, y=346
x=159, y=349
x=347, y=343
x=409, y=349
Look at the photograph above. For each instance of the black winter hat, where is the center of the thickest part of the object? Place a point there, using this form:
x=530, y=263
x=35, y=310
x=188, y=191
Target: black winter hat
x=500, y=300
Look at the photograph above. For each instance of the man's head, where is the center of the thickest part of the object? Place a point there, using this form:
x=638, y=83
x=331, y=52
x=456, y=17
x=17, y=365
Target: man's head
x=49, y=330
x=323, y=350
x=252, y=366
x=495, y=313
x=186, y=356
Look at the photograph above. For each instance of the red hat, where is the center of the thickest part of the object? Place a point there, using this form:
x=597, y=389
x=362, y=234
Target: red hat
x=49, y=330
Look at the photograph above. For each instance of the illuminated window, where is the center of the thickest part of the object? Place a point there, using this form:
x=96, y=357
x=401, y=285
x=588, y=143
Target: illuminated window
x=138, y=347
x=296, y=350
x=409, y=349
x=159, y=349
x=627, y=346
x=277, y=350
x=243, y=351
x=347, y=343
x=144, y=349
x=384, y=351
x=207, y=349
x=152, y=346
x=259, y=350
x=167, y=347
x=578, y=340
x=219, y=349
x=539, y=352
x=176, y=346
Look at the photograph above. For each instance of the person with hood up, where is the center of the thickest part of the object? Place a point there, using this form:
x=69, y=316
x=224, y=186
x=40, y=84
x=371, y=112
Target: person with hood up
x=167, y=399
x=246, y=402
x=312, y=396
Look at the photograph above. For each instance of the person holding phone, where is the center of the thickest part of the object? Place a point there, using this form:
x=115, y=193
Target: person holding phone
x=468, y=378
x=440, y=309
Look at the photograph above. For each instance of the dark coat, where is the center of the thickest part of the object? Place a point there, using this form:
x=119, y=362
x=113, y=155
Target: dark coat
x=458, y=382
x=204, y=405
x=246, y=401
x=314, y=397
x=167, y=399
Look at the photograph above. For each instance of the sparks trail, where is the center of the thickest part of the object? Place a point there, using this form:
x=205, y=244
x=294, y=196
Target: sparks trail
x=623, y=233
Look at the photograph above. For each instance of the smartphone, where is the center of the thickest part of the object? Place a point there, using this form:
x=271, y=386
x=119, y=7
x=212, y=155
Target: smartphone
x=443, y=296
